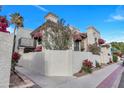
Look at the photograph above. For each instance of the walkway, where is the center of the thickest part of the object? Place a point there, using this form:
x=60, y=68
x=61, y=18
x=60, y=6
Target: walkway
x=110, y=74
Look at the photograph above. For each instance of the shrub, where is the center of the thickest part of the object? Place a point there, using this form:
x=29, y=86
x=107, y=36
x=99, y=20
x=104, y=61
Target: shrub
x=15, y=58
x=87, y=66
x=115, y=58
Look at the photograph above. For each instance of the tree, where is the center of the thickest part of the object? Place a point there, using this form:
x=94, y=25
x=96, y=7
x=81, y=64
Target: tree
x=118, y=45
x=57, y=36
x=17, y=20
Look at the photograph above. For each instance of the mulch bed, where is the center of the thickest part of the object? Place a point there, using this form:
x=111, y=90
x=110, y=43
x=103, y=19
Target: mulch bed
x=80, y=74
x=94, y=69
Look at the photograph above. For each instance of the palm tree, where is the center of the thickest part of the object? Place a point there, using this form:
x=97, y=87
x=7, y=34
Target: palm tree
x=17, y=20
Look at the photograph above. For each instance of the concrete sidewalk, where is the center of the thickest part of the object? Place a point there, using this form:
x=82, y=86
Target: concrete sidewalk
x=87, y=81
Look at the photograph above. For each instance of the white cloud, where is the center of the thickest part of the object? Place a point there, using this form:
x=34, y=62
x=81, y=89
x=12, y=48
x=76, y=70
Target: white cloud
x=118, y=15
x=41, y=8
x=10, y=29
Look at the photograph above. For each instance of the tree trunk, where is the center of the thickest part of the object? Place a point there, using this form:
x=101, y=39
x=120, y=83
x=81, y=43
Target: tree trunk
x=14, y=38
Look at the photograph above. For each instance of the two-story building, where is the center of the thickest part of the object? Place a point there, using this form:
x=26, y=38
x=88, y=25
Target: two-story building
x=26, y=39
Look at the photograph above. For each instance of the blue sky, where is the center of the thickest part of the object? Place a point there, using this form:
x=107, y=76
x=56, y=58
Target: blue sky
x=109, y=20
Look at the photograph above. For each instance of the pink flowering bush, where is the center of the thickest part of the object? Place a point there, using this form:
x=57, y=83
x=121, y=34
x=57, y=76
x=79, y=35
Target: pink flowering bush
x=15, y=58
x=3, y=24
x=101, y=41
x=87, y=63
x=87, y=66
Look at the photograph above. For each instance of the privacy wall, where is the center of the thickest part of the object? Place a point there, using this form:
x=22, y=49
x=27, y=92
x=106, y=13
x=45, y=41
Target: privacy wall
x=56, y=62
x=6, y=43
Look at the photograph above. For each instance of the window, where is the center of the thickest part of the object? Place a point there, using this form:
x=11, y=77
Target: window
x=39, y=41
x=76, y=46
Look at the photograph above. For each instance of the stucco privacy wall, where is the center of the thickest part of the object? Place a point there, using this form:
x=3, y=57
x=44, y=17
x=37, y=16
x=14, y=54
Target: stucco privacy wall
x=55, y=62
x=77, y=59
x=6, y=43
x=33, y=62
x=48, y=62
x=58, y=63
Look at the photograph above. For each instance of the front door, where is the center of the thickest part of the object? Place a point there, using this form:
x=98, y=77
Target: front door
x=76, y=46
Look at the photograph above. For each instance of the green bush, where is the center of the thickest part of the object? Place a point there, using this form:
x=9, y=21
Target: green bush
x=115, y=58
x=87, y=70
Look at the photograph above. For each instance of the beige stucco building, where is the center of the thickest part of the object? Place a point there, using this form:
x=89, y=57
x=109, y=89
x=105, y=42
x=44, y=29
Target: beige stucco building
x=81, y=41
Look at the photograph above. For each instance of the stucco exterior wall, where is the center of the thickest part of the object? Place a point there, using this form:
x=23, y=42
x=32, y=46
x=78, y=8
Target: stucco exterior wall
x=6, y=43
x=91, y=35
x=106, y=54
x=85, y=44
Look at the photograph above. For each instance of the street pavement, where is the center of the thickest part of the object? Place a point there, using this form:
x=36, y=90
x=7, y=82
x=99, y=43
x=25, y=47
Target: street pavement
x=121, y=85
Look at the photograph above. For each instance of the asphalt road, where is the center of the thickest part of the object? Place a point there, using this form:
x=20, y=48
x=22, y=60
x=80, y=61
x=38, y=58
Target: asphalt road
x=121, y=85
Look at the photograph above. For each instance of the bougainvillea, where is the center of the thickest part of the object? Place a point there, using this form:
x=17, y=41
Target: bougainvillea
x=4, y=24
x=87, y=66
x=101, y=41
x=87, y=63
x=38, y=49
x=15, y=56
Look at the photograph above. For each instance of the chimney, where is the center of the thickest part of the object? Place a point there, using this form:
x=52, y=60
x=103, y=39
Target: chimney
x=52, y=17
